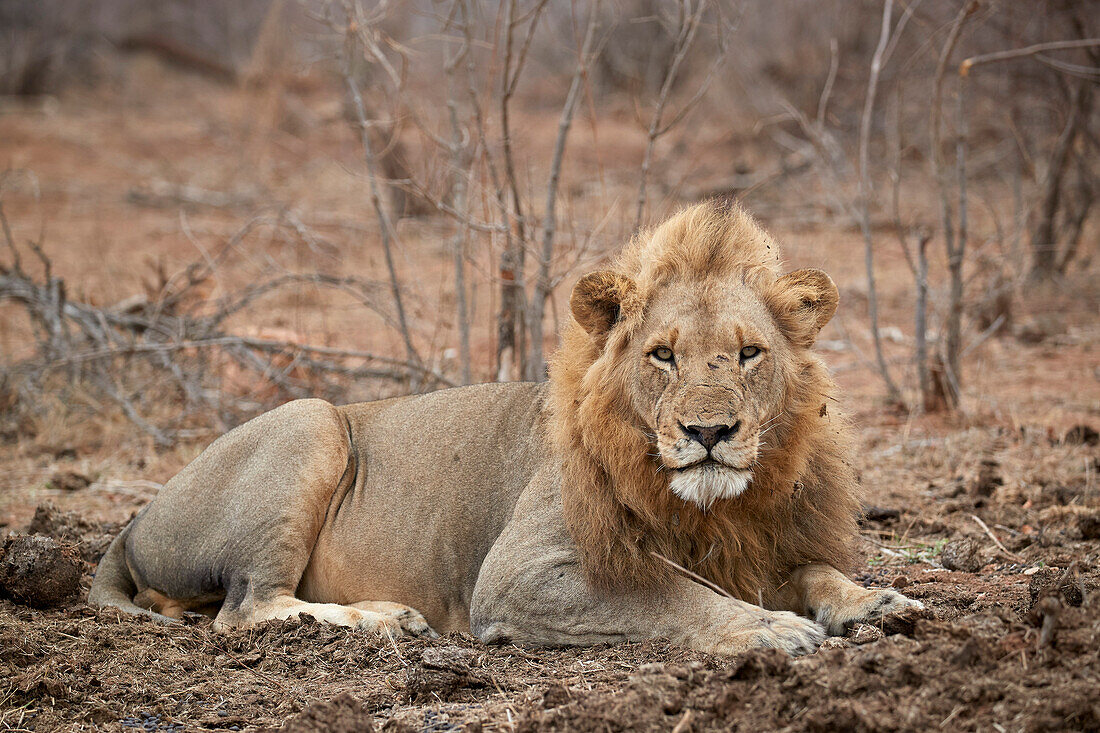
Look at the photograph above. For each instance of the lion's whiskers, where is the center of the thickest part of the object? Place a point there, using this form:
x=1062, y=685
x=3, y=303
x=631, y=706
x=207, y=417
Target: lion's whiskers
x=769, y=422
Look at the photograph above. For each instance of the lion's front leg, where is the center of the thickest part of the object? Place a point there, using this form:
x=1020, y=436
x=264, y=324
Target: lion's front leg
x=823, y=593
x=531, y=589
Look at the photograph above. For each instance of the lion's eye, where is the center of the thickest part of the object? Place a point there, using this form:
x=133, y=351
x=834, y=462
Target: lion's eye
x=662, y=353
x=749, y=352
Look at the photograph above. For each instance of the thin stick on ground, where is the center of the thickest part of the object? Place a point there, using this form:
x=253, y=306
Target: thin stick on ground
x=997, y=542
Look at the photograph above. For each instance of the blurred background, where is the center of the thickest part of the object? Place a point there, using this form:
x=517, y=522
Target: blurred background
x=210, y=208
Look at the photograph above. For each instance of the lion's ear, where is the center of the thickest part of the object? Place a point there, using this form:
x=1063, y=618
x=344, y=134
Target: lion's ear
x=803, y=302
x=598, y=298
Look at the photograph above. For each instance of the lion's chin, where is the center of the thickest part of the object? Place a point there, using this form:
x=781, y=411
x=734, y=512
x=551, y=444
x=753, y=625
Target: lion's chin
x=705, y=483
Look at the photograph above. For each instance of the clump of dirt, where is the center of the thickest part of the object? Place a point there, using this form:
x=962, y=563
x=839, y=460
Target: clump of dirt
x=341, y=714
x=38, y=571
x=963, y=554
x=439, y=673
x=69, y=481
x=1052, y=581
x=988, y=478
x=90, y=538
x=1088, y=524
x=1082, y=435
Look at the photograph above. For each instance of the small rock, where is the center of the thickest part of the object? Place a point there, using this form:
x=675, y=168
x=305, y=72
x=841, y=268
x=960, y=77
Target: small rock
x=901, y=581
x=39, y=571
x=962, y=554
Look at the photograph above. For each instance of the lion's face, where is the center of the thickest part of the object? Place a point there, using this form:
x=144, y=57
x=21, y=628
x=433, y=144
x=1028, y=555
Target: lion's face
x=707, y=365
x=710, y=369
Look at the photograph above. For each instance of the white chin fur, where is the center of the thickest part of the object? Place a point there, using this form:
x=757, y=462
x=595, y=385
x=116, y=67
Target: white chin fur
x=703, y=485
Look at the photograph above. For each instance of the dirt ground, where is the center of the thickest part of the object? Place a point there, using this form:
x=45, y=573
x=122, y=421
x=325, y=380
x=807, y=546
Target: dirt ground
x=990, y=517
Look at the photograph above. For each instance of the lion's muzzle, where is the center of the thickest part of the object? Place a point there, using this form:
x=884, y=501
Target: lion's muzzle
x=709, y=461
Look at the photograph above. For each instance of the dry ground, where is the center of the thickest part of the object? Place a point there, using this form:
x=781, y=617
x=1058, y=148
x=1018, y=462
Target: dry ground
x=1023, y=460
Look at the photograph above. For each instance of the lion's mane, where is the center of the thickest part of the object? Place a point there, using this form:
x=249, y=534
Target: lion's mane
x=803, y=502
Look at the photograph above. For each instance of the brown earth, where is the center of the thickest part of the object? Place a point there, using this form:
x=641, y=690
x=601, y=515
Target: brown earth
x=991, y=517
x=1014, y=642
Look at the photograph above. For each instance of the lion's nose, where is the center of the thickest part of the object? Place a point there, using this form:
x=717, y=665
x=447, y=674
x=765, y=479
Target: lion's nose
x=711, y=435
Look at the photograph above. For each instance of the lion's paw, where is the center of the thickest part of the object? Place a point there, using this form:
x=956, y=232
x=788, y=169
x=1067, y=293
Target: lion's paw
x=394, y=619
x=790, y=632
x=873, y=608
x=412, y=622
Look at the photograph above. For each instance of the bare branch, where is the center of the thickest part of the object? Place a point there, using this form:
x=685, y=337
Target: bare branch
x=535, y=362
x=688, y=26
x=988, y=58
x=893, y=393
x=385, y=225
x=827, y=90
x=954, y=259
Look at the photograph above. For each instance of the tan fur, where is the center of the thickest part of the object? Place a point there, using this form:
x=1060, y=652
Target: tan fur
x=686, y=417
x=803, y=502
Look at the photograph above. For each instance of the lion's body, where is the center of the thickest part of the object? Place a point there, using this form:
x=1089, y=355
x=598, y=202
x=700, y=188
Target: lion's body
x=384, y=514
x=549, y=514
x=412, y=501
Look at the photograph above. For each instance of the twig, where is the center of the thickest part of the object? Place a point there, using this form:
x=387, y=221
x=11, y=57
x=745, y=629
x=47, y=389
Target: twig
x=17, y=263
x=265, y=345
x=993, y=537
x=684, y=724
x=697, y=578
x=970, y=63
x=461, y=161
x=511, y=319
x=827, y=90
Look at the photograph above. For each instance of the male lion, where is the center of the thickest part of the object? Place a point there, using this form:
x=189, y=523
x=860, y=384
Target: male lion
x=686, y=421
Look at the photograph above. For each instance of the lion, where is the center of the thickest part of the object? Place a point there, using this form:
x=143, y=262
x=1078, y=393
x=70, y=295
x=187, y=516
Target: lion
x=683, y=474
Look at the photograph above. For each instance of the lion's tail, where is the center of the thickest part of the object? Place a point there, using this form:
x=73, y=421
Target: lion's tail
x=113, y=586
